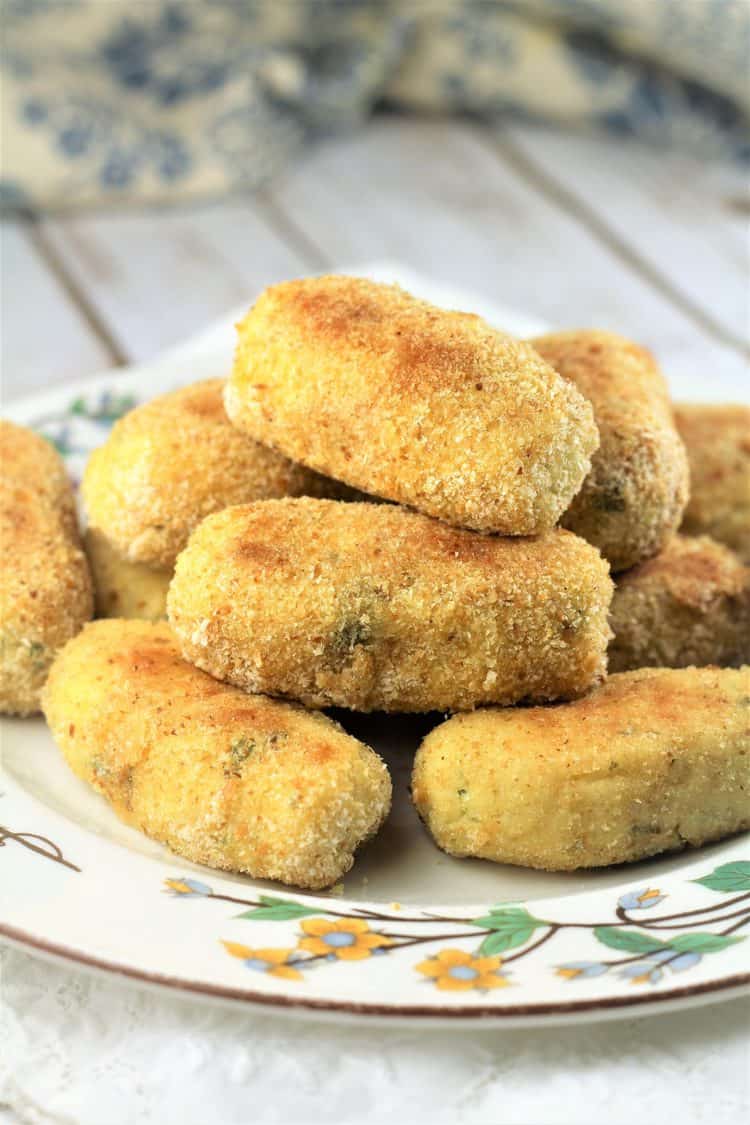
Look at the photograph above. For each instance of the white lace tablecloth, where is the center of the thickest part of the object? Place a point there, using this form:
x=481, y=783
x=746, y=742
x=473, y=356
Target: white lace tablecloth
x=89, y=1050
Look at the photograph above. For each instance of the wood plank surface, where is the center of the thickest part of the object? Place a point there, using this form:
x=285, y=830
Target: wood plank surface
x=682, y=217
x=436, y=196
x=579, y=242
x=158, y=276
x=46, y=337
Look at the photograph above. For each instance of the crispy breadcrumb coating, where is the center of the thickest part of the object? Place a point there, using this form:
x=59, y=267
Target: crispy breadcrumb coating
x=374, y=607
x=717, y=439
x=123, y=588
x=28, y=459
x=689, y=605
x=633, y=499
x=172, y=461
x=436, y=410
x=45, y=586
x=652, y=761
x=227, y=779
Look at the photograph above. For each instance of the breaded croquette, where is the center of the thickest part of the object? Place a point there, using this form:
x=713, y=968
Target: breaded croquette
x=652, y=761
x=717, y=439
x=231, y=780
x=45, y=587
x=28, y=459
x=123, y=588
x=172, y=461
x=689, y=605
x=373, y=607
x=436, y=410
x=633, y=499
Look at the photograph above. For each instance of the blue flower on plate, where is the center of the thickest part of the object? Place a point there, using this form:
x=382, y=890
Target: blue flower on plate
x=684, y=961
x=182, y=887
x=651, y=969
x=642, y=972
x=641, y=900
x=571, y=970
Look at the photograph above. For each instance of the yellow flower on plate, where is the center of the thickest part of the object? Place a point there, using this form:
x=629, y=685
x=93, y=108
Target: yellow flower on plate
x=275, y=962
x=349, y=939
x=455, y=970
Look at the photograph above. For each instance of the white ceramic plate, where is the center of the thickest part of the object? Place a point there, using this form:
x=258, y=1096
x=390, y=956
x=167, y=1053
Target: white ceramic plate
x=412, y=933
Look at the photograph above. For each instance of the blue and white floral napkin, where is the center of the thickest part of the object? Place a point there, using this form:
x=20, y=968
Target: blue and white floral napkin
x=115, y=99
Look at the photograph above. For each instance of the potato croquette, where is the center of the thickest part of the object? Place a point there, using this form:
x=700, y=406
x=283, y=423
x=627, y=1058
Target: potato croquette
x=374, y=607
x=123, y=588
x=28, y=459
x=436, y=410
x=45, y=587
x=232, y=780
x=718, y=448
x=690, y=605
x=172, y=461
x=633, y=499
x=652, y=761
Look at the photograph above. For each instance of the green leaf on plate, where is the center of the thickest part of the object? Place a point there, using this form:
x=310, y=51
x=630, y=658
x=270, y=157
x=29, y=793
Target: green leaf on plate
x=511, y=926
x=279, y=910
x=703, y=943
x=631, y=941
x=499, y=917
x=502, y=940
x=729, y=877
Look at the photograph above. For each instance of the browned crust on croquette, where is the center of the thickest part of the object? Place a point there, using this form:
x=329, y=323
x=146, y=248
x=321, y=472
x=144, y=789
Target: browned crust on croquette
x=717, y=438
x=690, y=604
x=633, y=499
x=434, y=409
x=374, y=607
x=652, y=761
x=236, y=781
x=174, y=460
x=45, y=586
x=30, y=460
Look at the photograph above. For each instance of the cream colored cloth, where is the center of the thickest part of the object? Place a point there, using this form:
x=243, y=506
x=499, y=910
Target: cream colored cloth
x=90, y=1050
x=105, y=100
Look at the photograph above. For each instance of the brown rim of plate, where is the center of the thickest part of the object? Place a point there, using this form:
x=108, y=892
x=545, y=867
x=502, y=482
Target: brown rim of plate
x=739, y=981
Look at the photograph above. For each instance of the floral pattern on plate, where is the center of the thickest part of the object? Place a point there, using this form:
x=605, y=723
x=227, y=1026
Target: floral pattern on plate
x=640, y=947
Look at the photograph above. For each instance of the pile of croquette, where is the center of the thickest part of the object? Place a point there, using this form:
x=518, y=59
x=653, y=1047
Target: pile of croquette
x=392, y=507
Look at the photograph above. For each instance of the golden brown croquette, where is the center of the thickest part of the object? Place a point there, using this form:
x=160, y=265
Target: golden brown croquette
x=28, y=459
x=650, y=762
x=172, y=461
x=633, y=499
x=374, y=607
x=689, y=605
x=45, y=586
x=433, y=409
x=717, y=439
x=231, y=780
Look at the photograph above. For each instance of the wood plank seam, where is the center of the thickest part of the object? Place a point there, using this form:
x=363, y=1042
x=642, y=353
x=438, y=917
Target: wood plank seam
x=74, y=292
x=284, y=225
x=576, y=208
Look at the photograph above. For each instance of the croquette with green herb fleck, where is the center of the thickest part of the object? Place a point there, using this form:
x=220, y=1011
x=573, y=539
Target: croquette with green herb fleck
x=633, y=498
x=373, y=607
x=652, y=761
x=45, y=586
x=231, y=780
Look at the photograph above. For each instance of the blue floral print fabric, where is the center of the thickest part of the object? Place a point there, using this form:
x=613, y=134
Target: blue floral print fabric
x=106, y=100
